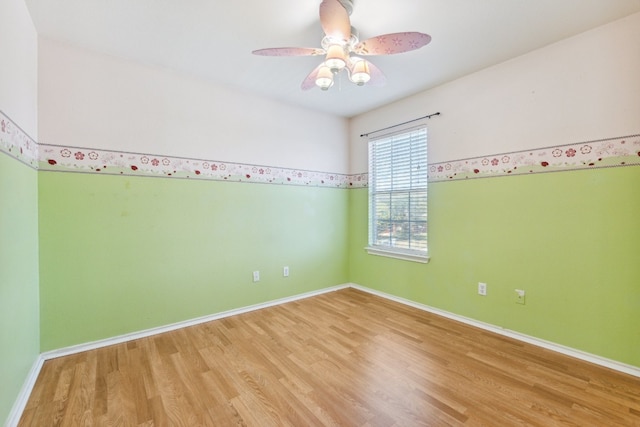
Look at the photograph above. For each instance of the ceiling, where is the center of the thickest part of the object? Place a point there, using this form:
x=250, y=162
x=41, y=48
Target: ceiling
x=213, y=39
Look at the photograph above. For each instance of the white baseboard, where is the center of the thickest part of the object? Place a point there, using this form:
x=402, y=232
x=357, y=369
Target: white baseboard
x=23, y=397
x=25, y=392
x=578, y=354
x=172, y=327
x=27, y=388
x=568, y=351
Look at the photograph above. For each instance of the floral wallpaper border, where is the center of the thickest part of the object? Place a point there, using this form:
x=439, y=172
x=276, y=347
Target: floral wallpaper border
x=16, y=143
x=612, y=152
x=73, y=159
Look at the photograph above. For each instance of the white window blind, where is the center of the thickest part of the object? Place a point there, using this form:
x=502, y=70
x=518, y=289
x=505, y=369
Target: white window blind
x=398, y=194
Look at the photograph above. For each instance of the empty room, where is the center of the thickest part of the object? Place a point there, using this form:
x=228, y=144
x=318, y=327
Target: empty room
x=320, y=212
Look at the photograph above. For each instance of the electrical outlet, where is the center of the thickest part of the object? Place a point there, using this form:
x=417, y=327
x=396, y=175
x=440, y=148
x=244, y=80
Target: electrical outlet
x=285, y=271
x=256, y=276
x=482, y=289
x=519, y=296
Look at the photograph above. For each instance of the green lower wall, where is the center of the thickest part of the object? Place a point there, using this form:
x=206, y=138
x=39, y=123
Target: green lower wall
x=123, y=254
x=571, y=240
x=19, y=311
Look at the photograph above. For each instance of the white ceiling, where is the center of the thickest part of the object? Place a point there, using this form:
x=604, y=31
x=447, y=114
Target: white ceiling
x=213, y=39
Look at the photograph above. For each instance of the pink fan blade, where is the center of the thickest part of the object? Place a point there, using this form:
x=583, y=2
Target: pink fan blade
x=335, y=20
x=389, y=44
x=310, y=81
x=289, y=51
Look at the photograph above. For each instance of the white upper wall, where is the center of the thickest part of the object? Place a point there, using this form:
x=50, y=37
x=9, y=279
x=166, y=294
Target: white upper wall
x=583, y=88
x=88, y=99
x=18, y=72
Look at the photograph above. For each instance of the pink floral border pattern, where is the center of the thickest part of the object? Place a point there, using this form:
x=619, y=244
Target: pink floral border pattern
x=73, y=159
x=614, y=152
x=16, y=143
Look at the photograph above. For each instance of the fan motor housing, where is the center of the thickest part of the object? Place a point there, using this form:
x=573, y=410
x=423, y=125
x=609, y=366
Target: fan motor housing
x=348, y=5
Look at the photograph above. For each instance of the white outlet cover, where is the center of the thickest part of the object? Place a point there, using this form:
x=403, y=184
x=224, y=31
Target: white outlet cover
x=482, y=288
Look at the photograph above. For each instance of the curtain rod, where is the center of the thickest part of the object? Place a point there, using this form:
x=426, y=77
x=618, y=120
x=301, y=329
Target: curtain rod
x=400, y=124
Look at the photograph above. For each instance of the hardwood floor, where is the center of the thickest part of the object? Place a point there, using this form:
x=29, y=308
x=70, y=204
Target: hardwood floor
x=344, y=358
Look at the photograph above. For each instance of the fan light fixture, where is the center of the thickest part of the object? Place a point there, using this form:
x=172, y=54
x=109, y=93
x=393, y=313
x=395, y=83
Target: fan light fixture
x=336, y=58
x=324, y=79
x=341, y=41
x=360, y=72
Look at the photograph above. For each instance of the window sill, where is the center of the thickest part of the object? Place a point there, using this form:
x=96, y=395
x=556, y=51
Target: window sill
x=407, y=256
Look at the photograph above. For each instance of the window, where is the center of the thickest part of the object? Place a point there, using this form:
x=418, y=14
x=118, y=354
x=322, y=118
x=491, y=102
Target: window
x=398, y=195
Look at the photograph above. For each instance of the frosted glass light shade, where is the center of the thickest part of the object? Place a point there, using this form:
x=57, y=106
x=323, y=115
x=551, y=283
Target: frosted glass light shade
x=336, y=58
x=360, y=72
x=324, y=79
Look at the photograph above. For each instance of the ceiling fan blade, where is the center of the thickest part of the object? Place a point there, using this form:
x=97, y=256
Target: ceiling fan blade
x=289, y=51
x=310, y=81
x=335, y=20
x=389, y=44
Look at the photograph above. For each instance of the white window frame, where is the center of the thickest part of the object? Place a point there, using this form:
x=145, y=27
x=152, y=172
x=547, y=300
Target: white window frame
x=409, y=170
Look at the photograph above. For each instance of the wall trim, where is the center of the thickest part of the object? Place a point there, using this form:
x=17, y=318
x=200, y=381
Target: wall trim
x=60, y=158
x=66, y=351
x=23, y=397
x=16, y=143
x=595, y=154
x=601, y=153
x=578, y=354
x=558, y=348
x=25, y=392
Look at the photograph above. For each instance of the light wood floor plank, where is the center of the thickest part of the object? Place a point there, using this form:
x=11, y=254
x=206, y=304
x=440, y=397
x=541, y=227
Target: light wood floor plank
x=346, y=358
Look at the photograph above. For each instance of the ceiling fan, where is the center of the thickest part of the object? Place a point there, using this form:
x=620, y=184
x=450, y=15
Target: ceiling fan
x=343, y=49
